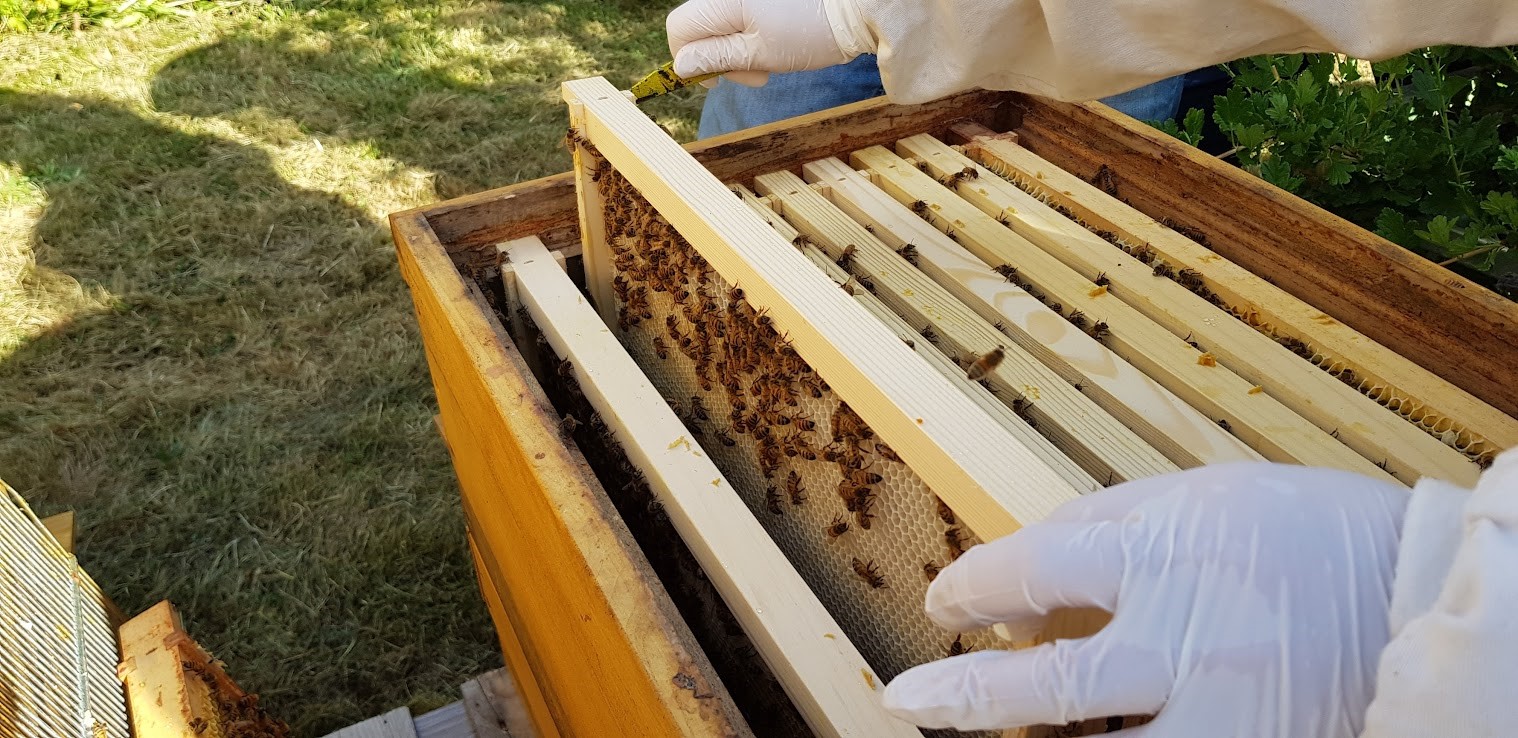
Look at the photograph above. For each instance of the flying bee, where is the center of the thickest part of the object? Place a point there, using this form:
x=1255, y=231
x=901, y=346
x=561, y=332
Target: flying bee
x=793, y=488
x=660, y=347
x=772, y=500
x=930, y=570
x=1006, y=270
x=908, y=252
x=944, y=513
x=986, y=364
x=870, y=573
x=838, y=527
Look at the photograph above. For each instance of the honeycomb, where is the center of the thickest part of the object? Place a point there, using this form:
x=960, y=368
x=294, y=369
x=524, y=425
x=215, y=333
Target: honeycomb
x=861, y=528
x=1448, y=430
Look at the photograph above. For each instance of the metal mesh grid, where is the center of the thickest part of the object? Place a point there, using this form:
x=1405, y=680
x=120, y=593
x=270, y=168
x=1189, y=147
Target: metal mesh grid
x=58, y=651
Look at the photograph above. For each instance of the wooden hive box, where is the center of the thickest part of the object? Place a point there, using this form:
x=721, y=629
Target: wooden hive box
x=592, y=636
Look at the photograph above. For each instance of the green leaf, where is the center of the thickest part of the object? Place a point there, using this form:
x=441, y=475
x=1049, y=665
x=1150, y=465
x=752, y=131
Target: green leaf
x=1440, y=231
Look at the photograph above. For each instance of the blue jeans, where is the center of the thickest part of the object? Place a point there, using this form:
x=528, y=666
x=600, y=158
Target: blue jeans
x=731, y=107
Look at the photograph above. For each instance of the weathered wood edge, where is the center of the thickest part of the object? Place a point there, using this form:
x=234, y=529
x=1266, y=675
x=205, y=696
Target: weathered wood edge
x=1447, y=323
x=552, y=542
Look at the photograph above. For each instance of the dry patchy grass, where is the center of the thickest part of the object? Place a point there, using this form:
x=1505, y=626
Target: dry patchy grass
x=205, y=347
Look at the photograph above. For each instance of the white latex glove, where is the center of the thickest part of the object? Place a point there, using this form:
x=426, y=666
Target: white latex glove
x=1247, y=600
x=756, y=37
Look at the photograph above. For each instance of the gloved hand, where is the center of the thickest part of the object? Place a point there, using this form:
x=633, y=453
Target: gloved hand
x=755, y=37
x=1247, y=600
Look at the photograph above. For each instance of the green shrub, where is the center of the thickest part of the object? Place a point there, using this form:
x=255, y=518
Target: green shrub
x=1422, y=148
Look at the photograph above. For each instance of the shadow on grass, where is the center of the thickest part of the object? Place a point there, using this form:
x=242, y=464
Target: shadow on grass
x=247, y=429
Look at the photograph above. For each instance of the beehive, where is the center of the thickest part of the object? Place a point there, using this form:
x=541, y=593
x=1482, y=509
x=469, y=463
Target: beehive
x=1116, y=284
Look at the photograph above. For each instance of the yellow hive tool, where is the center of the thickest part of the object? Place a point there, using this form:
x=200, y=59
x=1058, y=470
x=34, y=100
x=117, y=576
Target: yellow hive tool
x=662, y=81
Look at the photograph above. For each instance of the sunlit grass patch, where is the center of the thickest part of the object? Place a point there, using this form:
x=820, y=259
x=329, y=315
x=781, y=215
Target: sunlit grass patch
x=205, y=347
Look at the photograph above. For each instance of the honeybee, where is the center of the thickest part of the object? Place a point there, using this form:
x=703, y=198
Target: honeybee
x=568, y=425
x=1143, y=253
x=1189, y=278
x=801, y=240
x=955, y=178
x=772, y=500
x=928, y=333
x=886, y=452
x=920, y=207
x=944, y=513
x=863, y=477
x=698, y=407
x=908, y=252
x=793, y=488
x=1161, y=269
x=660, y=347
x=986, y=364
x=957, y=648
x=1101, y=279
x=1006, y=270
x=847, y=255
x=956, y=544
x=726, y=439
x=838, y=527
x=1098, y=330
x=870, y=573
x=813, y=385
x=1077, y=319
x=930, y=570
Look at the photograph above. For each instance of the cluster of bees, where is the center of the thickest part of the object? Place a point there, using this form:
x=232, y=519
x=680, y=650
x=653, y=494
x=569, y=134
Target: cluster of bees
x=238, y=715
x=736, y=349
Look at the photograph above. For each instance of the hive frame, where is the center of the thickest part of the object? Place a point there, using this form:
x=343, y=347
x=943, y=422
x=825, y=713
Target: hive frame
x=988, y=477
x=1320, y=398
x=823, y=673
x=1270, y=305
x=1173, y=427
x=1268, y=426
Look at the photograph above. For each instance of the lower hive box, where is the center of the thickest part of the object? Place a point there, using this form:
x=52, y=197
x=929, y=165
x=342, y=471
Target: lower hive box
x=740, y=455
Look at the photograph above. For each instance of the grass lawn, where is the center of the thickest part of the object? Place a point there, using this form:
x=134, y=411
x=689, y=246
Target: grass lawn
x=205, y=347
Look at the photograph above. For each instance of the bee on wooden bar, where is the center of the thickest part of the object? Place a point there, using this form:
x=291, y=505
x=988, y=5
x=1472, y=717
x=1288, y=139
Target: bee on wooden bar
x=886, y=452
x=772, y=500
x=838, y=527
x=958, y=648
x=1191, y=343
x=573, y=138
x=566, y=370
x=952, y=538
x=920, y=207
x=1191, y=279
x=1077, y=319
x=568, y=425
x=1057, y=307
x=944, y=513
x=1006, y=270
x=908, y=252
x=930, y=570
x=847, y=255
x=950, y=180
x=801, y=240
x=1224, y=425
x=1162, y=269
x=1143, y=253
x=793, y=488
x=866, y=283
x=927, y=332
x=986, y=364
x=1102, y=280
x=850, y=285
x=1098, y=330
x=870, y=573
